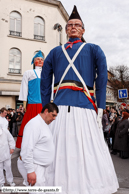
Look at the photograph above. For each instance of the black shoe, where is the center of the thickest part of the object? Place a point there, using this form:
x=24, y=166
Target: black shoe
x=124, y=157
x=114, y=153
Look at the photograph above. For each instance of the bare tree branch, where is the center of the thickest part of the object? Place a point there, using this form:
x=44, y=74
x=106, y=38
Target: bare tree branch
x=119, y=77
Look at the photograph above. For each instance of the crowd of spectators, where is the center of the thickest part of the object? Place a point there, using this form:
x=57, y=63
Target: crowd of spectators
x=115, y=124
x=116, y=130
x=14, y=118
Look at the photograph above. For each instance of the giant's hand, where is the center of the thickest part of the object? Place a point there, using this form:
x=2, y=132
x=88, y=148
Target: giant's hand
x=31, y=178
x=99, y=117
x=11, y=151
x=24, y=105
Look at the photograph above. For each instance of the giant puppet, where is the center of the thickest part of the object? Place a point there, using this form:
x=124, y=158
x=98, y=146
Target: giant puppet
x=30, y=93
x=82, y=163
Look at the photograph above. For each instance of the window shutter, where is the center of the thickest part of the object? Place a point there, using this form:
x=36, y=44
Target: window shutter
x=36, y=29
x=11, y=61
x=18, y=25
x=18, y=62
x=12, y=24
x=41, y=30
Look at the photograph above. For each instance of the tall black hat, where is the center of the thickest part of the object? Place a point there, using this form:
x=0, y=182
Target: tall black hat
x=75, y=14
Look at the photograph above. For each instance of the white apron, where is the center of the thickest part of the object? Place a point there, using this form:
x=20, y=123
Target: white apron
x=82, y=163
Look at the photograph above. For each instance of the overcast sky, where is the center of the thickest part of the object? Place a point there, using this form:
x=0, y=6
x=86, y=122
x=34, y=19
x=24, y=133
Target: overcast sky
x=107, y=25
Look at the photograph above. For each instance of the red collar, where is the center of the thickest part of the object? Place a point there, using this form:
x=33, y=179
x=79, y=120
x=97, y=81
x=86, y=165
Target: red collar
x=71, y=43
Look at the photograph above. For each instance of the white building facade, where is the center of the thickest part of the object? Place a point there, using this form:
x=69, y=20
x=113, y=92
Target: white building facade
x=26, y=26
x=111, y=99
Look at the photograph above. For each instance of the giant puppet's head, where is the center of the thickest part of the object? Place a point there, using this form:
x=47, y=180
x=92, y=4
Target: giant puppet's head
x=75, y=26
x=38, y=59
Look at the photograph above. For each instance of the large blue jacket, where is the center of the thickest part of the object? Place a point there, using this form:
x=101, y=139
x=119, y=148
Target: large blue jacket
x=91, y=64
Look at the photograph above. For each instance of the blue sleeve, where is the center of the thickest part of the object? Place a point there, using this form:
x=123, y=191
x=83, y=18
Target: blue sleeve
x=101, y=77
x=46, y=80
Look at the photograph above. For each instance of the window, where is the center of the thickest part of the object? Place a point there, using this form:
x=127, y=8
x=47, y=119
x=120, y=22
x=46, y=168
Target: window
x=15, y=23
x=14, y=61
x=39, y=28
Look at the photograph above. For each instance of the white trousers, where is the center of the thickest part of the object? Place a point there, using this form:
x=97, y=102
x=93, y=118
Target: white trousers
x=7, y=166
x=39, y=170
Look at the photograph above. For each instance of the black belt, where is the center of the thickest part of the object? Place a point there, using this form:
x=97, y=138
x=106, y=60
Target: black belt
x=79, y=84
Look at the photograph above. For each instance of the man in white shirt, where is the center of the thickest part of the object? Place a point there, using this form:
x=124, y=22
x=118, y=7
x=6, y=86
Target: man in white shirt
x=7, y=146
x=3, y=120
x=37, y=149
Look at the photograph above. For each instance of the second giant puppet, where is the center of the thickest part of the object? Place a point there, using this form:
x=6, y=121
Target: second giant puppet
x=30, y=93
x=82, y=162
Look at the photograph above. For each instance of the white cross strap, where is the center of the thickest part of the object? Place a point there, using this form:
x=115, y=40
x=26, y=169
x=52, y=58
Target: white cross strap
x=71, y=64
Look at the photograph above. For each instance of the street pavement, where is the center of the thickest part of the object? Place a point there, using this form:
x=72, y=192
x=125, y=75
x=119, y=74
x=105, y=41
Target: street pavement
x=121, y=167
x=122, y=171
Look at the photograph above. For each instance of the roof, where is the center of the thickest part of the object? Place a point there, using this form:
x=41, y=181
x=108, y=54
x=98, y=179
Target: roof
x=58, y=4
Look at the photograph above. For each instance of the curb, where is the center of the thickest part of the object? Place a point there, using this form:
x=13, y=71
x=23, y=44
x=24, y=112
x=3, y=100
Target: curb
x=122, y=191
